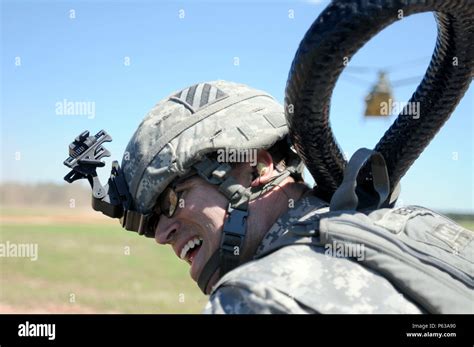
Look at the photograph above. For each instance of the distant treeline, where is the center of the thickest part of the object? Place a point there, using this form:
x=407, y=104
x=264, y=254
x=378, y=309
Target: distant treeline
x=61, y=195
x=460, y=216
x=50, y=194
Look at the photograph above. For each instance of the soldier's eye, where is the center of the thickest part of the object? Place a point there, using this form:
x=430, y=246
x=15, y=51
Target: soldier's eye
x=169, y=202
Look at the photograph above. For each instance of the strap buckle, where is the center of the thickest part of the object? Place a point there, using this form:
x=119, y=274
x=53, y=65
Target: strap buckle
x=235, y=225
x=233, y=238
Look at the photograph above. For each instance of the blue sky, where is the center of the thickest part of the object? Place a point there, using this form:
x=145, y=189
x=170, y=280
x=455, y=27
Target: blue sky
x=84, y=59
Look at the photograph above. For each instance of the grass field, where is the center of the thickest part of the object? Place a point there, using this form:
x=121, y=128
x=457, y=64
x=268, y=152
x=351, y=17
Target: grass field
x=92, y=268
x=468, y=224
x=89, y=264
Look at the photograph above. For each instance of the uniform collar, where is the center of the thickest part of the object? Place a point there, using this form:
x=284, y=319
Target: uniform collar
x=300, y=211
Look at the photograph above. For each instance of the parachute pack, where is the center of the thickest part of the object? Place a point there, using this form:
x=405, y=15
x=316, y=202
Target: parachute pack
x=425, y=255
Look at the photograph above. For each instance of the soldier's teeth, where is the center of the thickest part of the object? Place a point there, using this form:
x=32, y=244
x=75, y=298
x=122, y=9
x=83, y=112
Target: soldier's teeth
x=184, y=251
x=190, y=245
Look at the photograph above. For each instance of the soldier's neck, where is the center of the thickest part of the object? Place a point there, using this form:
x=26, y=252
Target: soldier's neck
x=264, y=212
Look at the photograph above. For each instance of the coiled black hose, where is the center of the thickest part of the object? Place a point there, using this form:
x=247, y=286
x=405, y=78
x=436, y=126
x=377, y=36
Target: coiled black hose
x=336, y=35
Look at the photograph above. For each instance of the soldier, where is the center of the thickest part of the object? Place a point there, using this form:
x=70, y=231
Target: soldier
x=228, y=217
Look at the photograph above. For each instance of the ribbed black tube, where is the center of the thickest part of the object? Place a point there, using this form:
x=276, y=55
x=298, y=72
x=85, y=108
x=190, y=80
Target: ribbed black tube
x=336, y=35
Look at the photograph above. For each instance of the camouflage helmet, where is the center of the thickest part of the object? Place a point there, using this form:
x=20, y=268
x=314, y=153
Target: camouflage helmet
x=187, y=125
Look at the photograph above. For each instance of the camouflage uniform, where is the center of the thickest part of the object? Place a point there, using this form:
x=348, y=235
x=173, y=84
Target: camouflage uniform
x=303, y=279
x=418, y=252
x=183, y=131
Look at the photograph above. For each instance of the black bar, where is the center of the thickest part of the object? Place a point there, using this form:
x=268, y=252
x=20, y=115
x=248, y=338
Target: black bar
x=335, y=330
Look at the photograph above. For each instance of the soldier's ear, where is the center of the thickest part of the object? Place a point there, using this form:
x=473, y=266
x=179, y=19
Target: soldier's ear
x=263, y=169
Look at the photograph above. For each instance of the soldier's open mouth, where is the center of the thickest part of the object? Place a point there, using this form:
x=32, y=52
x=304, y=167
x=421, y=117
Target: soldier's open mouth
x=192, y=254
x=191, y=249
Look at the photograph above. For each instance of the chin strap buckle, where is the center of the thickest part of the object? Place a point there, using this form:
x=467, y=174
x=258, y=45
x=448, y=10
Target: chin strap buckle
x=233, y=238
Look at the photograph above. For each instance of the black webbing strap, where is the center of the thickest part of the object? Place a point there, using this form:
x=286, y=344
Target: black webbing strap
x=209, y=269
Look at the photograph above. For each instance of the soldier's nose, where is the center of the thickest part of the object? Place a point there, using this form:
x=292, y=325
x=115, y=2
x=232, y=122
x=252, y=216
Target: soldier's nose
x=165, y=231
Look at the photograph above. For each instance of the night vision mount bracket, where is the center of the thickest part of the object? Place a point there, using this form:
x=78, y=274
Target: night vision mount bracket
x=113, y=199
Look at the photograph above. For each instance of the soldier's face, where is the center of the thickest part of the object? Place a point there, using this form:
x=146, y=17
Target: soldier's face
x=194, y=231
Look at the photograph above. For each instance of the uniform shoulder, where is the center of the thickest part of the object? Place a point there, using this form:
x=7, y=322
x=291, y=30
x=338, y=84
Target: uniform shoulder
x=302, y=278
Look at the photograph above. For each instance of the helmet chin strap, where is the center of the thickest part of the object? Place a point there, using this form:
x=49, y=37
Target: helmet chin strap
x=229, y=255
